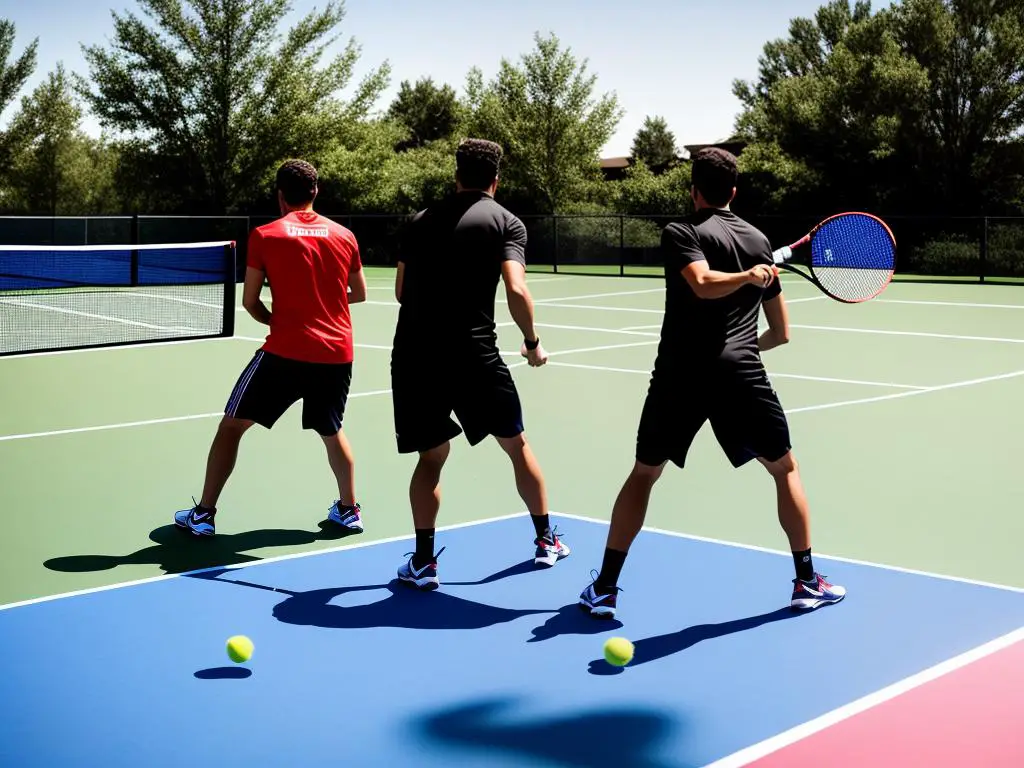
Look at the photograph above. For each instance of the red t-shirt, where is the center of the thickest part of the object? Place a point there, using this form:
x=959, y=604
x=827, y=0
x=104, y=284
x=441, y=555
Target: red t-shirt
x=307, y=259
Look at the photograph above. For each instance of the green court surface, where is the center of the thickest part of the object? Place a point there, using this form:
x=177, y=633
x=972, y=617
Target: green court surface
x=905, y=415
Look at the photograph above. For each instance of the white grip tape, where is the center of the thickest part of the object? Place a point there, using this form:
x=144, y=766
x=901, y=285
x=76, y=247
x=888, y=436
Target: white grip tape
x=782, y=254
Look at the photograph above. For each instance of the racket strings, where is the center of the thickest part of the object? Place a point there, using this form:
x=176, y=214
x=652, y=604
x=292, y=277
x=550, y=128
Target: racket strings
x=853, y=257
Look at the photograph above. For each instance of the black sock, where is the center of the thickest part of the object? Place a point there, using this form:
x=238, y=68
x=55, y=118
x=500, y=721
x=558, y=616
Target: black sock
x=611, y=568
x=424, y=547
x=542, y=525
x=804, y=565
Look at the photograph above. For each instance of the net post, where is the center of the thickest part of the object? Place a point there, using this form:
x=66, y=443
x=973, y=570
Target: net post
x=229, y=289
x=134, y=264
x=554, y=255
x=622, y=245
x=984, y=249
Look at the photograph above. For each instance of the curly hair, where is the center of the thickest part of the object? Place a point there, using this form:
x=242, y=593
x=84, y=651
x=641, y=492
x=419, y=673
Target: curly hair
x=714, y=175
x=297, y=181
x=477, y=162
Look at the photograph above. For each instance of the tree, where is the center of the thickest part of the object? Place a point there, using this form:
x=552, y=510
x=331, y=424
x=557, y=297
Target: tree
x=213, y=90
x=428, y=112
x=654, y=144
x=544, y=113
x=13, y=76
x=55, y=168
x=918, y=107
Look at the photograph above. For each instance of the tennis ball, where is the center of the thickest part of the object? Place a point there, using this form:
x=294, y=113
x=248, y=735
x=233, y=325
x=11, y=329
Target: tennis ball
x=240, y=648
x=618, y=651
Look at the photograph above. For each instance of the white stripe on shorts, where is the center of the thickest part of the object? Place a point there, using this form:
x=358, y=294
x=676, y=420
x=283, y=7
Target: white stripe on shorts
x=243, y=383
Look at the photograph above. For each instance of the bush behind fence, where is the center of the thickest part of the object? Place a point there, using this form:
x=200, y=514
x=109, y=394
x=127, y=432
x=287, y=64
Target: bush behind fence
x=982, y=248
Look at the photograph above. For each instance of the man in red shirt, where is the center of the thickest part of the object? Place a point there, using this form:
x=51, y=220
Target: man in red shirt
x=315, y=273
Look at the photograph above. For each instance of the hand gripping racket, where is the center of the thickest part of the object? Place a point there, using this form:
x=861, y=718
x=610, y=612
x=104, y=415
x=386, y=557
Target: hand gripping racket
x=852, y=257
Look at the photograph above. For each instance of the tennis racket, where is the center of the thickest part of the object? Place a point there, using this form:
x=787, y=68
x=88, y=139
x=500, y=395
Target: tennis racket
x=851, y=259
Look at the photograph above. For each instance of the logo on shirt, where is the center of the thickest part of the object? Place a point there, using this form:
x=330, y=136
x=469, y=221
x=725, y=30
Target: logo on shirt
x=294, y=230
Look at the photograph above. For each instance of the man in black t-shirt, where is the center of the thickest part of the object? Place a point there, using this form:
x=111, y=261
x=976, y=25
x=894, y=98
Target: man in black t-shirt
x=445, y=355
x=719, y=274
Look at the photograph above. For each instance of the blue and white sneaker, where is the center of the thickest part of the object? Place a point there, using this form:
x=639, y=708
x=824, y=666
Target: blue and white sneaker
x=346, y=516
x=424, y=578
x=808, y=595
x=199, y=521
x=550, y=551
x=598, y=604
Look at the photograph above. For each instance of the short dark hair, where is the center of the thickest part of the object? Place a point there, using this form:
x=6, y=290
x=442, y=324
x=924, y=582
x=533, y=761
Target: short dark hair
x=714, y=174
x=477, y=162
x=297, y=181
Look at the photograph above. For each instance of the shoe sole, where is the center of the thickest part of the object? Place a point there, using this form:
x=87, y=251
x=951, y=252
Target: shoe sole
x=193, y=531
x=810, y=605
x=357, y=529
x=426, y=585
x=546, y=562
x=597, y=614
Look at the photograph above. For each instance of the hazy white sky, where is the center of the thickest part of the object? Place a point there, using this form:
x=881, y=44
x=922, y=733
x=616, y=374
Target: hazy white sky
x=674, y=58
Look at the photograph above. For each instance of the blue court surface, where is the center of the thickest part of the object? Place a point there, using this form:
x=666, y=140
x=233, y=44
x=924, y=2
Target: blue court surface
x=498, y=668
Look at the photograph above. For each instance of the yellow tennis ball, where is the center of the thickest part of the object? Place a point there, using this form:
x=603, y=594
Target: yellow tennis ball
x=618, y=651
x=240, y=648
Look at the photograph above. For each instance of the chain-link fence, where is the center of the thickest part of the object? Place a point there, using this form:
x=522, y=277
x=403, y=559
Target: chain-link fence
x=971, y=248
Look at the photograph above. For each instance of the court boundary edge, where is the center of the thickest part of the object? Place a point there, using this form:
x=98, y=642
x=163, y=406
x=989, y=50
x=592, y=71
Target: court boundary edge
x=486, y=521
x=821, y=555
x=238, y=566
x=798, y=733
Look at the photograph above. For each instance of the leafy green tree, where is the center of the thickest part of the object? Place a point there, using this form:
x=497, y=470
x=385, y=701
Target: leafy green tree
x=644, y=193
x=13, y=76
x=55, y=168
x=654, y=144
x=212, y=89
x=544, y=112
x=428, y=111
x=916, y=108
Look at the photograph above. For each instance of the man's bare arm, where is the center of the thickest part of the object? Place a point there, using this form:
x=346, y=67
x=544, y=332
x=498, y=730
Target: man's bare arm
x=356, y=287
x=251, y=296
x=708, y=283
x=777, y=333
x=399, y=276
x=520, y=303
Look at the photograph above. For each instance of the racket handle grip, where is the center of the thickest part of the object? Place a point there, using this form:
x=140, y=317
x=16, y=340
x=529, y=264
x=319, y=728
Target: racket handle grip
x=782, y=254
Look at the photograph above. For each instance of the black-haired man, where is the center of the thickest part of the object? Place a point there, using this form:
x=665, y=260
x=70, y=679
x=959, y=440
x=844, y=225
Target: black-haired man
x=718, y=274
x=313, y=266
x=445, y=357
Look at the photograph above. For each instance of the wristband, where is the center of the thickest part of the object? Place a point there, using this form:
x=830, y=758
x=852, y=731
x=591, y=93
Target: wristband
x=531, y=345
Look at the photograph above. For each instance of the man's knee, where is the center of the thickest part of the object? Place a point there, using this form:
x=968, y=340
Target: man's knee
x=435, y=458
x=646, y=473
x=233, y=427
x=780, y=467
x=513, y=446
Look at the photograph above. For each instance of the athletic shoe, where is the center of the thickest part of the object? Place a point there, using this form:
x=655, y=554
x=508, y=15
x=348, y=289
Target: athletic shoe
x=808, y=595
x=424, y=578
x=550, y=550
x=600, y=606
x=346, y=516
x=200, y=522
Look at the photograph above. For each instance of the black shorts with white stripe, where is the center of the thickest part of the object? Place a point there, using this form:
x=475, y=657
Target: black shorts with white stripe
x=271, y=384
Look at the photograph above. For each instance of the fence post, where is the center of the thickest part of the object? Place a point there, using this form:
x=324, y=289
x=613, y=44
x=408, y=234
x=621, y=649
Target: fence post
x=984, y=247
x=622, y=245
x=134, y=267
x=554, y=255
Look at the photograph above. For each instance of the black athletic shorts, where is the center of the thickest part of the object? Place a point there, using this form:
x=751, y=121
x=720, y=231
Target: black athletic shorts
x=425, y=393
x=745, y=414
x=270, y=385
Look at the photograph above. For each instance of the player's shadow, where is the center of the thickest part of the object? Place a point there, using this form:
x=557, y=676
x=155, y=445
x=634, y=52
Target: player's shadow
x=177, y=551
x=606, y=736
x=658, y=647
x=570, y=620
x=404, y=607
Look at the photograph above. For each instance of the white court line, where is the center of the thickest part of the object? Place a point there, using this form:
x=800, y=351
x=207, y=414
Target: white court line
x=599, y=295
x=771, y=375
x=947, y=304
x=178, y=299
x=906, y=333
x=597, y=330
x=846, y=711
x=640, y=328
x=79, y=313
x=239, y=566
x=192, y=417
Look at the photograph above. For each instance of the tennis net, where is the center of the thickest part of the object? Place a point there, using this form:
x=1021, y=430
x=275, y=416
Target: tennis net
x=73, y=297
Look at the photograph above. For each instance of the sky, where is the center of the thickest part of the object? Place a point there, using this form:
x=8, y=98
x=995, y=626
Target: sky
x=672, y=58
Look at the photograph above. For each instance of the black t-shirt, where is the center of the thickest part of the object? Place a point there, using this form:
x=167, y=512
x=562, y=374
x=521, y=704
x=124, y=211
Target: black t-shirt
x=453, y=254
x=712, y=334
